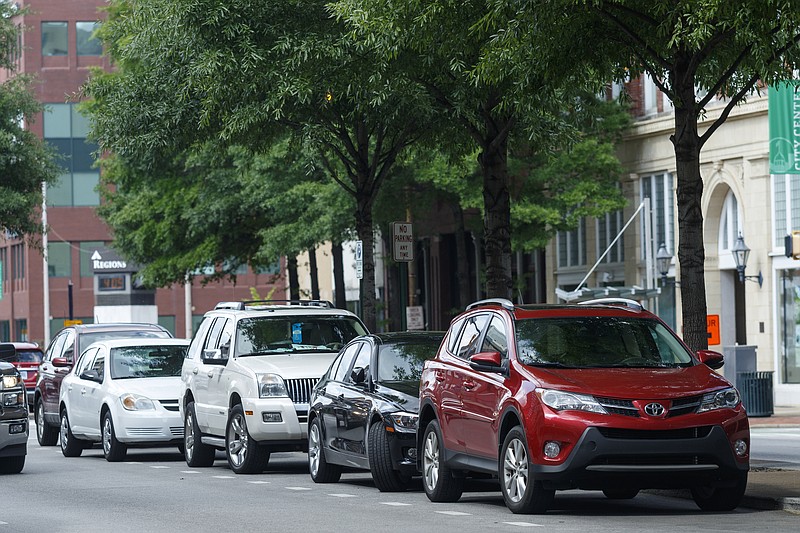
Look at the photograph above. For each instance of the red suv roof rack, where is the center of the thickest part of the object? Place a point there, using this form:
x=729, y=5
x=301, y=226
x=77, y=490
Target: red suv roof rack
x=502, y=302
x=623, y=302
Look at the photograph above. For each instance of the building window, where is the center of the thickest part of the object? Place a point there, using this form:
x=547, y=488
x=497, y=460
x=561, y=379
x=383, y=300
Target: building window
x=85, y=41
x=87, y=248
x=649, y=95
x=65, y=130
x=21, y=329
x=608, y=227
x=571, y=246
x=59, y=260
x=729, y=224
x=786, y=205
x=168, y=322
x=18, y=257
x=662, y=196
x=54, y=38
x=5, y=331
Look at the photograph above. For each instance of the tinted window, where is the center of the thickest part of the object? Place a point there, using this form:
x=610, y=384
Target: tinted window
x=266, y=335
x=56, y=347
x=455, y=329
x=99, y=363
x=69, y=346
x=362, y=361
x=24, y=356
x=403, y=362
x=495, y=339
x=85, y=361
x=599, y=342
x=146, y=361
x=199, y=339
x=212, y=341
x=347, y=360
x=95, y=336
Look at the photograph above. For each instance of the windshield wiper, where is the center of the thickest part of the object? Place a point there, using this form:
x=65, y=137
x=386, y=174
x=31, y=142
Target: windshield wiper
x=551, y=364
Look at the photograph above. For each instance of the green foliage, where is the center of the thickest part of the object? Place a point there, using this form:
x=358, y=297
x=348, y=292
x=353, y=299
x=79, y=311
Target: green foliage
x=25, y=161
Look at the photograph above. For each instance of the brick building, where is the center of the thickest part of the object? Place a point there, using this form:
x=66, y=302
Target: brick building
x=57, y=48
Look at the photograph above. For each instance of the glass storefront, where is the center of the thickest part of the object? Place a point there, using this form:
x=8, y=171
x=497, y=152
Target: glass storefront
x=789, y=370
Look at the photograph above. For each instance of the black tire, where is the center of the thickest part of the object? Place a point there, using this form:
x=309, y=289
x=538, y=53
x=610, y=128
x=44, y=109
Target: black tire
x=386, y=478
x=196, y=453
x=12, y=465
x=620, y=493
x=437, y=477
x=46, y=434
x=522, y=493
x=320, y=469
x=113, y=450
x=71, y=446
x=720, y=498
x=245, y=455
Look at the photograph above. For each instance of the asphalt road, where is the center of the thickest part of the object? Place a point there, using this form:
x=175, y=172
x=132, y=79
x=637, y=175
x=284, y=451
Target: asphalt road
x=154, y=491
x=775, y=447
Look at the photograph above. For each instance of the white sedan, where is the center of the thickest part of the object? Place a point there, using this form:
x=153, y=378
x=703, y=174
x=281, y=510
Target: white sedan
x=123, y=393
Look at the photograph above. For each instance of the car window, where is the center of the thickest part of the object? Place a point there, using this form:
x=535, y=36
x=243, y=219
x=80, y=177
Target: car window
x=56, y=347
x=99, y=363
x=69, y=346
x=212, y=341
x=496, y=339
x=297, y=333
x=468, y=341
x=599, y=342
x=22, y=355
x=226, y=336
x=403, y=361
x=347, y=359
x=146, y=361
x=455, y=329
x=85, y=361
x=89, y=337
x=199, y=339
x=361, y=361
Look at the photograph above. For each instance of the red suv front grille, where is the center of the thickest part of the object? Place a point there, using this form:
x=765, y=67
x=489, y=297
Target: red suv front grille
x=644, y=434
x=680, y=406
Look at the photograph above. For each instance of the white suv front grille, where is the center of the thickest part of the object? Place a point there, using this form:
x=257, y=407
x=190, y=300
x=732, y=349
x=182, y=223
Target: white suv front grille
x=300, y=389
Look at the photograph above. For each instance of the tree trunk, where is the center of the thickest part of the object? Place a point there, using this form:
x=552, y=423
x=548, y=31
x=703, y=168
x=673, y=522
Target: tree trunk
x=691, y=250
x=294, y=285
x=366, y=236
x=338, y=276
x=497, y=211
x=312, y=269
x=462, y=263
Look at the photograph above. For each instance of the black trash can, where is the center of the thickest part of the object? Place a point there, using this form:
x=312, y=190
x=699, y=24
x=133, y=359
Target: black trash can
x=756, y=391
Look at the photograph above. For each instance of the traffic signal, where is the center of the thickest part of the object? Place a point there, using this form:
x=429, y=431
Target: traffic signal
x=792, y=245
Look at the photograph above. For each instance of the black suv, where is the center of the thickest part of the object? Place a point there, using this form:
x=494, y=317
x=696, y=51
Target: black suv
x=64, y=349
x=13, y=415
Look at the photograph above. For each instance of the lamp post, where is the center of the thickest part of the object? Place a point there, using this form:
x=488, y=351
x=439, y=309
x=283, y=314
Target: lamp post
x=741, y=252
x=663, y=260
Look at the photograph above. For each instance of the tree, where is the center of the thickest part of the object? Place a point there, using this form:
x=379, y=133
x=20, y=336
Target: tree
x=25, y=161
x=443, y=45
x=238, y=72
x=694, y=52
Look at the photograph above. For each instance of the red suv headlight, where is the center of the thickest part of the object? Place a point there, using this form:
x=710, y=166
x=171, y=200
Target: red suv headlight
x=570, y=401
x=721, y=399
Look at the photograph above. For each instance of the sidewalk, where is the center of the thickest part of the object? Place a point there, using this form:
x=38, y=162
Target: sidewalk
x=769, y=487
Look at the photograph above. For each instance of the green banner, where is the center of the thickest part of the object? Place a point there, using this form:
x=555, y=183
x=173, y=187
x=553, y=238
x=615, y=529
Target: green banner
x=784, y=128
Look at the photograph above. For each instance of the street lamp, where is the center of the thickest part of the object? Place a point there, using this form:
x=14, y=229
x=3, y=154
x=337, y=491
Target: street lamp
x=740, y=253
x=663, y=261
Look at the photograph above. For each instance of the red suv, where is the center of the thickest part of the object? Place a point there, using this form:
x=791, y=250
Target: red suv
x=597, y=396
x=27, y=358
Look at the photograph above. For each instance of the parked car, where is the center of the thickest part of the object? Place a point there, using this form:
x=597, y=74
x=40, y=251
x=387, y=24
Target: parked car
x=123, y=393
x=363, y=412
x=58, y=360
x=596, y=396
x=27, y=358
x=249, y=374
x=13, y=414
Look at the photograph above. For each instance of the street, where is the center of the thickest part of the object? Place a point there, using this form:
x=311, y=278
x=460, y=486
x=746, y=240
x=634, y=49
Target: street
x=154, y=491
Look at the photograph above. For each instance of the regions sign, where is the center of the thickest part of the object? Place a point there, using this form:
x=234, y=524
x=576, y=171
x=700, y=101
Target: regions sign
x=107, y=260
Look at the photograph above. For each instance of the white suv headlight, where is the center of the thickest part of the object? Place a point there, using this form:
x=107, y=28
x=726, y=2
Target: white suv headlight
x=404, y=422
x=134, y=402
x=570, y=401
x=721, y=399
x=270, y=386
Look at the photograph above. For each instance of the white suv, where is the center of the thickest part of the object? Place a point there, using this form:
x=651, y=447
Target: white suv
x=248, y=375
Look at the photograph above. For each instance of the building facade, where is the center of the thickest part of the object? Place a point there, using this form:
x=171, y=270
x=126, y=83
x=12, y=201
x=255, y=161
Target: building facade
x=57, y=47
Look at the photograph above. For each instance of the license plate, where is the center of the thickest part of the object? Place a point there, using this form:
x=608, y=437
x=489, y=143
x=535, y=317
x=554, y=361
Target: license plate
x=23, y=374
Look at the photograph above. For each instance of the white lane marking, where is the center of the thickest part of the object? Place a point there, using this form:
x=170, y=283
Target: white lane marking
x=342, y=495
x=158, y=466
x=395, y=504
x=297, y=488
x=223, y=477
x=3, y=523
x=133, y=463
x=523, y=524
x=190, y=472
x=454, y=513
x=259, y=482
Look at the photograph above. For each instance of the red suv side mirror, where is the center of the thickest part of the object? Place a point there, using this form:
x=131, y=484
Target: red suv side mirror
x=61, y=362
x=711, y=358
x=486, y=362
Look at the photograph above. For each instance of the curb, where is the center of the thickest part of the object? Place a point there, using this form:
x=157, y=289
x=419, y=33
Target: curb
x=791, y=505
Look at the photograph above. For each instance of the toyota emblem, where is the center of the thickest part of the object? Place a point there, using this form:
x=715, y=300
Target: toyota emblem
x=654, y=409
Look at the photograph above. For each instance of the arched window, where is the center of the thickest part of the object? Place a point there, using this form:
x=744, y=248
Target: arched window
x=729, y=224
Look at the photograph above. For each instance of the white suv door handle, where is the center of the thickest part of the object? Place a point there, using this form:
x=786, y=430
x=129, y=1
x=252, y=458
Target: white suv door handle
x=210, y=373
x=194, y=370
x=83, y=392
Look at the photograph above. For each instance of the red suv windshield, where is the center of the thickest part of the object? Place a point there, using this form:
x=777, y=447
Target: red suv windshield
x=598, y=342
